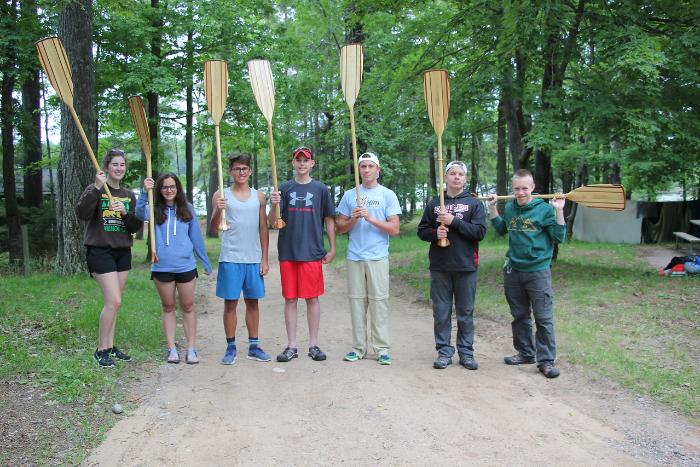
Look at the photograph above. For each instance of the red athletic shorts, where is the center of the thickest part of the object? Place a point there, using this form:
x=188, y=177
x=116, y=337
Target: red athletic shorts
x=301, y=279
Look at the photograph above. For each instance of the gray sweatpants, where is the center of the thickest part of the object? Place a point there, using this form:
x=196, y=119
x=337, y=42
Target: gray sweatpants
x=531, y=293
x=444, y=286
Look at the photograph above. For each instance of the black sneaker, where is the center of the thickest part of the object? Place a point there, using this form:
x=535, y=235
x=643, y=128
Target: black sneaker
x=287, y=354
x=468, y=362
x=518, y=359
x=103, y=359
x=549, y=370
x=116, y=353
x=316, y=354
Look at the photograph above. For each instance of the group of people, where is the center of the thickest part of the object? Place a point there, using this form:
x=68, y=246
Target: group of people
x=306, y=207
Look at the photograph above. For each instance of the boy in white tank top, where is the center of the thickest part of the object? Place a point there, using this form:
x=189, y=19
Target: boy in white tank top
x=243, y=260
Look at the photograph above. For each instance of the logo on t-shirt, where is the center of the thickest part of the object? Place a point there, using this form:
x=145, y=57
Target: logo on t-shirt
x=457, y=209
x=111, y=220
x=522, y=224
x=293, y=198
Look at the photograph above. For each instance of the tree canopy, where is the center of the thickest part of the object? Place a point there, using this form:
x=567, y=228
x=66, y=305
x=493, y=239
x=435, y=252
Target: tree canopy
x=580, y=91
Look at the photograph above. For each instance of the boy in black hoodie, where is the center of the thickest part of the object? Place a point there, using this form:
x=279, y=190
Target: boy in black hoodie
x=453, y=268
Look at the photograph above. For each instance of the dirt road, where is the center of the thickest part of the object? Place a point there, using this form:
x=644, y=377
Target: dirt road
x=333, y=412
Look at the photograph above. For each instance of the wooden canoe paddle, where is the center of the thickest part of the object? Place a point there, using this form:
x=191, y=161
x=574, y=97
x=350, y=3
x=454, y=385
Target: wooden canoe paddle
x=54, y=61
x=603, y=196
x=138, y=116
x=436, y=86
x=260, y=74
x=216, y=92
x=351, y=67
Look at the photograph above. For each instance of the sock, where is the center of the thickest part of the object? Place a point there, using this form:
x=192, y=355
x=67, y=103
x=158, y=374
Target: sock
x=231, y=342
x=252, y=342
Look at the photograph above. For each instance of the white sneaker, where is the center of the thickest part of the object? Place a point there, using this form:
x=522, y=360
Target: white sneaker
x=173, y=356
x=191, y=357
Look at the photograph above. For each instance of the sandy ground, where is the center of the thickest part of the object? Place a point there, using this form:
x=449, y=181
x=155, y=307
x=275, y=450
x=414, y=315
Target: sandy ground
x=334, y=412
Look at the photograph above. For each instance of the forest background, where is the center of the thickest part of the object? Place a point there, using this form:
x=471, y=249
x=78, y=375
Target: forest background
x=578, y=91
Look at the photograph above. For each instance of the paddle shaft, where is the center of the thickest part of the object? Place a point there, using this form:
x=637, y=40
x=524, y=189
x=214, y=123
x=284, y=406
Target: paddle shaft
x=89, y=148
x=151, y=209
x=273, y=167
x=486, y=198
x=223, y=225
x=442, y=242
x=354, y=154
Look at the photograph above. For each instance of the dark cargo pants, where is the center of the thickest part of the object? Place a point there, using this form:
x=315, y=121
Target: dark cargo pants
x=531, y=293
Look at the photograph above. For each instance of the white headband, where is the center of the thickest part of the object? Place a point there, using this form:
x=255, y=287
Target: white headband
x=459, y=164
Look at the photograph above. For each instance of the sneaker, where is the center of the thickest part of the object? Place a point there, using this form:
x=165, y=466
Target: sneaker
x=103, y=359
x=316, y=354
x=173, y=356
x=468, y=362
x=549, y=370
x=518, y=359
x=384, y=359
x=352, y=356
x=191, y=358
x=229, y=356
x=442, y=362
x=115, y=352
x=287, y=354
x=256, y=353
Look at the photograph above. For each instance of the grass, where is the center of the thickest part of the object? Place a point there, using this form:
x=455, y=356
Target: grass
x=613, y=315
x=48, y=332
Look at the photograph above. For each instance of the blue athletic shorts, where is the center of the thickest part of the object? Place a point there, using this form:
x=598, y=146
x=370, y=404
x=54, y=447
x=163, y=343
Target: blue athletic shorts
x=232, y=278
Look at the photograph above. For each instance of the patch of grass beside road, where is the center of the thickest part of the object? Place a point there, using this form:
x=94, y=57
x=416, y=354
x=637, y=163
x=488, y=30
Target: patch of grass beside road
x=48, y=332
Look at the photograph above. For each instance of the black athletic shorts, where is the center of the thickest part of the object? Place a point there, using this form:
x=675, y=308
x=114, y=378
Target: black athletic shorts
x=179, y=277
x=101, y=260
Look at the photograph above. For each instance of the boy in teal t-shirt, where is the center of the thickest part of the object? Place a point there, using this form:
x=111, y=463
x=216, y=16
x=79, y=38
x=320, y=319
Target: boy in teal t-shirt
x=532, y=226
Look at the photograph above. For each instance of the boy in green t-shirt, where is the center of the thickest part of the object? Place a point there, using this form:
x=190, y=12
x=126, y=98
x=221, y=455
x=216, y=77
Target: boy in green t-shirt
x=533, y=227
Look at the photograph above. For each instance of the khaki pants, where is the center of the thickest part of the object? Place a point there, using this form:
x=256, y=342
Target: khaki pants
x=368, y=291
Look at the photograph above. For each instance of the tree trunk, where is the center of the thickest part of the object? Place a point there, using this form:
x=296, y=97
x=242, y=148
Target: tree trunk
x=152, y=97
x=7, y=111
x=557, y=55
x=512, y=112
x=501, y=161
x=31, y=138
x=31, y=123
x=74, y=168
x=189, y=159
x=431, y=171
x=213, y=185
x=474, y=176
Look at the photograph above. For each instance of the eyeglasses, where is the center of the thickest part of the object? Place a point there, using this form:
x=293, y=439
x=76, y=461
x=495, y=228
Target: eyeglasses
x=116, y=152
x=169, y=188
x=240, y=170
x=303, y=151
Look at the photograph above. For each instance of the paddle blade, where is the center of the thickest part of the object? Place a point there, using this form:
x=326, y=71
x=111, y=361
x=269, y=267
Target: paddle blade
x=216, y=87
x=263, y=85
x=608, y=197
x=54, y=61
x=138, y=116
x=436, y=85
x=351, y=67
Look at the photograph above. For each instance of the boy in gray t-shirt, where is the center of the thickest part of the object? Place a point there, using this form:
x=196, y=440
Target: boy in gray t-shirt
x=243, y=258
x=305, y=206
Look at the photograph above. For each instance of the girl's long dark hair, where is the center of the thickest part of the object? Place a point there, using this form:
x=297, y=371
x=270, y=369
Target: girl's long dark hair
x=182, y=211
